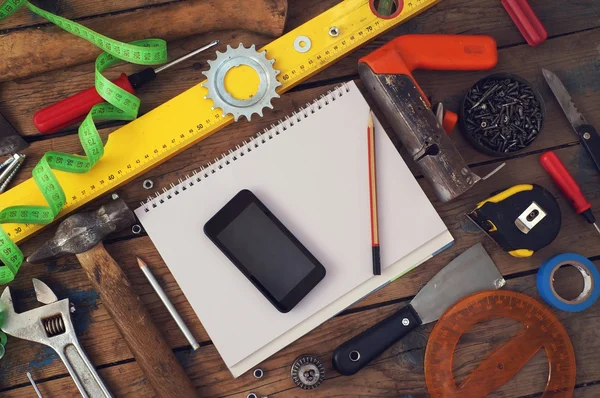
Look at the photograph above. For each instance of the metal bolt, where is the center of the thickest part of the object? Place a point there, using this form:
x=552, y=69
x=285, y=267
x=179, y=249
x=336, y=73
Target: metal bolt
x=405, y=321
x=334, y=31
x=587, y=136
x=148, y=184
x=7, y=162
x=11, y=171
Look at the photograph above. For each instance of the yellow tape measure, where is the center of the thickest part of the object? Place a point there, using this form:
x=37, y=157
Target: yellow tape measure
x=188, y=118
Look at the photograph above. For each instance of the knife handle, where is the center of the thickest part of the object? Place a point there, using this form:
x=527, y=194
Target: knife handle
x=356, y=353
x=591, y=140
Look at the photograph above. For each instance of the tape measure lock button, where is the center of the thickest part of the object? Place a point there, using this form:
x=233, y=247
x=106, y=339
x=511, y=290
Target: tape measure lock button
x=589, y=273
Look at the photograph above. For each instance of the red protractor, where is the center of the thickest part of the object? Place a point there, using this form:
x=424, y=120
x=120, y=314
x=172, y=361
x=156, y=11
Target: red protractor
x=542, y=330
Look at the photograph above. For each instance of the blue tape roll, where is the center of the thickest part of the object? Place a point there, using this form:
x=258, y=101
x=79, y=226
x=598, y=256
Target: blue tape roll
x=589, y=272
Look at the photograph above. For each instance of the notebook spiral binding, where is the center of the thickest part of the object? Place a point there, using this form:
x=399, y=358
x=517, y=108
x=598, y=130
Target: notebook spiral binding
x=183, y=184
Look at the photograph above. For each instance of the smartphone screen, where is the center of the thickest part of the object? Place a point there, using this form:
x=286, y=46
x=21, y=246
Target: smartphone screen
x=264, y=250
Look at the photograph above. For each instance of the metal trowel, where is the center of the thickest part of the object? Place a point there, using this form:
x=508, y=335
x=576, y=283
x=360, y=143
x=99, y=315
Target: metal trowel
x=471, y=272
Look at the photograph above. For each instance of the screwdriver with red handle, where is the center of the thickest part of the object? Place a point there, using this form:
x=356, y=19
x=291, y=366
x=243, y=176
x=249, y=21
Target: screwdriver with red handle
x=567, y=185
x=527, y=22
x=75, y=108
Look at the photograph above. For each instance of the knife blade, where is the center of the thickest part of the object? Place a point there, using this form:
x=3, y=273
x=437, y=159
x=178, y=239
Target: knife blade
x=10, y=141
x=587, y=134
x=471, y=272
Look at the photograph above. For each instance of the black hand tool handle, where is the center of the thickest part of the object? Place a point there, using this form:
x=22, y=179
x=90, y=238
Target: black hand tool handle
x=356, y=353
x=591, y=140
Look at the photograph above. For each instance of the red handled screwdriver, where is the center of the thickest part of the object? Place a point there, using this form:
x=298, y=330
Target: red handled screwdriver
x=75, y=108
x=568, y=186
x=527, y=22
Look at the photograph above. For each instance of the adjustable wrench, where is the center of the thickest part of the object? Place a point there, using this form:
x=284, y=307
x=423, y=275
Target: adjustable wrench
x=51, y=325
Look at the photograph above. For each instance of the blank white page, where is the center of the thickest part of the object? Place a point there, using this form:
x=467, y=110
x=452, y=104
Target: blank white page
x=313, y=175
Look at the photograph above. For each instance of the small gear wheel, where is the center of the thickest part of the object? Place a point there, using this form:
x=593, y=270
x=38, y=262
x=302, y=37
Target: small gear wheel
x=233, y=57
x=308, y=372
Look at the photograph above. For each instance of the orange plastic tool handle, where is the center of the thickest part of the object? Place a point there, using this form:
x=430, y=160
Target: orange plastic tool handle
x=434, y=52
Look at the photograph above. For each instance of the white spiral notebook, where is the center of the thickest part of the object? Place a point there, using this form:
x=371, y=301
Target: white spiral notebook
x=311, y=170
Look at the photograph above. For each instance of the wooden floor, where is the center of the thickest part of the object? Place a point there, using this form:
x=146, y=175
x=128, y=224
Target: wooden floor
x=572, y=52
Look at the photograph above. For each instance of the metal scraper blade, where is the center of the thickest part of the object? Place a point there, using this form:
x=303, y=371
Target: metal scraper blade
x=471, y=272
x=10, y=141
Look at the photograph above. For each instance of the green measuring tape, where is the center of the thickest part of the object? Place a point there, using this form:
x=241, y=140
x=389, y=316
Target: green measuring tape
x=121, y=106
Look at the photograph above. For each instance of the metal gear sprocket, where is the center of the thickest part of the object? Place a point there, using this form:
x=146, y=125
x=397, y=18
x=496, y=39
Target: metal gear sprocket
x=232, y=57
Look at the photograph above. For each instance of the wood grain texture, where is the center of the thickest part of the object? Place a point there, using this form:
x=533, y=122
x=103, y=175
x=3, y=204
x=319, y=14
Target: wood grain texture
x=74, y=10
x=20, y=99
x=28, y=52
x=399, y=371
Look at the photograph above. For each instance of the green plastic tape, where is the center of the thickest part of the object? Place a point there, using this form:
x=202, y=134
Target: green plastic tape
x=119, y=105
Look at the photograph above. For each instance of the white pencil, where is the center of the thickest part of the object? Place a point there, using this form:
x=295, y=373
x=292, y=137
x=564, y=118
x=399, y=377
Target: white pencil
x=161, y=293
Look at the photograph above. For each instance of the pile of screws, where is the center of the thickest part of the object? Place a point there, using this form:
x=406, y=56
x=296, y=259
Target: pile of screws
x=502, y=114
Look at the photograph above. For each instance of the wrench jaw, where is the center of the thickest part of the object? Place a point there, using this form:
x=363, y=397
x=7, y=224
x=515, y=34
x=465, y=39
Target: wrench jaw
x=33, y=325
x=51, y=325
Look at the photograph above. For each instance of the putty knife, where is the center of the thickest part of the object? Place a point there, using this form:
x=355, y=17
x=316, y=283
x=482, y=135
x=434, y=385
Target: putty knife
x=469, y=273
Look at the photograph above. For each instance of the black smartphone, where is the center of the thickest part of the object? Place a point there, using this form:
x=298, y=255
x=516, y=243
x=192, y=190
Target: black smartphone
x=264, y=250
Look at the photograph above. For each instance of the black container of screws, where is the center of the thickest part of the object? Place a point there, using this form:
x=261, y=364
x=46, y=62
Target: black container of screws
x=502, y=114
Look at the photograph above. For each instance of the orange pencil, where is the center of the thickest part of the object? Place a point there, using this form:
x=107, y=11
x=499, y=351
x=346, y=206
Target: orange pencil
x=373, y=196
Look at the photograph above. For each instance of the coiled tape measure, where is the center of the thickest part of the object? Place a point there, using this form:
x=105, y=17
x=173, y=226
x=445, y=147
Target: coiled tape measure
x=521, y=219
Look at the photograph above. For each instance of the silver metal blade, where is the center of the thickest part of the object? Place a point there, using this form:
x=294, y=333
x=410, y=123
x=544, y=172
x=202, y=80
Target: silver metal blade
x=564, y=99
x=471, y=272
x=43, y=293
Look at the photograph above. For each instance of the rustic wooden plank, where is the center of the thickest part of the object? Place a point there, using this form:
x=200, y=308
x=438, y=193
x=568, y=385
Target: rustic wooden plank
x=410, y=283
x=576, y=236
x=20, y=99
x=60, y=48
x=74, y=10
x=399, y=371
x=207, y=150
x=125, y=380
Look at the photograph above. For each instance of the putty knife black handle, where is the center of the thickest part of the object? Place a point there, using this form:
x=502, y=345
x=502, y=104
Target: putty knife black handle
x=591, y=141
x=356, y=353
